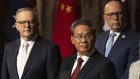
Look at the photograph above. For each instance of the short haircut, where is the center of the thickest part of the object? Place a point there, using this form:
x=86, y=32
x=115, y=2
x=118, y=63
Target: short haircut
x=81, y=21
x=28, y=9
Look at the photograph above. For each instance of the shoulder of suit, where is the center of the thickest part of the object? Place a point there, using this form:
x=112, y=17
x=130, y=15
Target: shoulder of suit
x=103, y=33
x=133, y=34
x=45, y=41
x=69, y=58
x=100, y=57
x=12, y=43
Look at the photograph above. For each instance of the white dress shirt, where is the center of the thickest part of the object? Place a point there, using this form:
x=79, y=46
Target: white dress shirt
x=84, y=57
x=20, y=57
x=115, y=37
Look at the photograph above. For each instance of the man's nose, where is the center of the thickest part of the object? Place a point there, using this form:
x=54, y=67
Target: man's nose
x=27, y=23
x=83, y=39
x=116, y=16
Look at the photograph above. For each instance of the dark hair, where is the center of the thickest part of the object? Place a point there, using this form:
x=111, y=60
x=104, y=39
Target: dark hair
x=81, y=21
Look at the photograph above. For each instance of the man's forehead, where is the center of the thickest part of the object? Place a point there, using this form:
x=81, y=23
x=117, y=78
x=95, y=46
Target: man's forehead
x=111, y=9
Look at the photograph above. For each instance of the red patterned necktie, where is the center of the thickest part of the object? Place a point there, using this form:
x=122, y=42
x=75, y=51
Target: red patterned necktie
x=77, y=69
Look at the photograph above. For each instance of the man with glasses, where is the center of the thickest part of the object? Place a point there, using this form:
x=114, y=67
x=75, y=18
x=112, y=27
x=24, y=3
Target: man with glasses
x=87, y=63
x=31, y=56
x=119, y=44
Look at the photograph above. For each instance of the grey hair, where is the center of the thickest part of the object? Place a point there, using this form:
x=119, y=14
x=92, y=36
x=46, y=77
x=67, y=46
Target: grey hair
x=83, y=22
x=28, y=9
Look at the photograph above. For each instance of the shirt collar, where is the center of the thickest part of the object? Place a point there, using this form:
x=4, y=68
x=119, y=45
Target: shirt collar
x=85, y=57
x=29, y=42
x=117, y=33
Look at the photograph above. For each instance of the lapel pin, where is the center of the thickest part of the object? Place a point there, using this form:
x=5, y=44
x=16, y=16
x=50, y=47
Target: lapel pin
x=123, y=36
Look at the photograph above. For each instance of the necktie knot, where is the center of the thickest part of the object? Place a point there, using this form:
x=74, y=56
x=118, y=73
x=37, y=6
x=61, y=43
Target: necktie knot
x=113, y=34
x=80, y=60
x=25, y=45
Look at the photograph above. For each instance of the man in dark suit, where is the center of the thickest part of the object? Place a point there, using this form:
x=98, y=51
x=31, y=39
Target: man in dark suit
x=125, y=42
x=31, y=56
x=92, y=65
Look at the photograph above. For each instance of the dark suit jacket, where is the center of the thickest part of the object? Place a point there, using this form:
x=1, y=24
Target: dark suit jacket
x=97, y=67
x=43, y=62
x=123, y=52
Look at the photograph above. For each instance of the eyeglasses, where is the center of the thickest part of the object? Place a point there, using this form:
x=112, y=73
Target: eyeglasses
x=23, y=23
x=111, y=15
x=80, y=37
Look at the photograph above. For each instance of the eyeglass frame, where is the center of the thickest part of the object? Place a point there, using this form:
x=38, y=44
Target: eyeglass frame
x=23, y=23
x=111, y=15
x=80, y=37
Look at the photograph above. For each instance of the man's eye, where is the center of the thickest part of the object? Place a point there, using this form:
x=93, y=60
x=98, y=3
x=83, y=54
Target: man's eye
x=110, y=14
x=87, y=36
x=79, y=36
x=120, y=13
x=22, y=22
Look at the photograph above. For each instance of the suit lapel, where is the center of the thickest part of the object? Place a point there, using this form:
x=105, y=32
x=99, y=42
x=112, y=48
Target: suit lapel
x=106, y=36
x=87, y=67
x=66, y=68
x=121, y=38
x=13, y=59
x=71, y=65
x=34, y=52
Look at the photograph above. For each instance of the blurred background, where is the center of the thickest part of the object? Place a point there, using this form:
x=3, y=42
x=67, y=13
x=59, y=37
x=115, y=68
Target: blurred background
x=56, y=16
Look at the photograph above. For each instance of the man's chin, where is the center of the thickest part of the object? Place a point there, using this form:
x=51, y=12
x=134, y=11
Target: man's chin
x=28, y=35
x=84, y=52
x=116, y=28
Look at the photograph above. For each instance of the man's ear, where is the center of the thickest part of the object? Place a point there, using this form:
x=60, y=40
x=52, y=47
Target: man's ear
x=72, y=39
x=104, y=18
x=16, y=26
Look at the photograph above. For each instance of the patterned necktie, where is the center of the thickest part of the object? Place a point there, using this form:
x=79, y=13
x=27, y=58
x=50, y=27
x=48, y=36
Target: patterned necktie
x=22, y=59
x=109, y=44
x=77, y=69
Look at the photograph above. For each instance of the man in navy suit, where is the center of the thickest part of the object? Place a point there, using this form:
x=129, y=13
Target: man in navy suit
x=93, y=65
x=124, y=50
x=31, y=56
